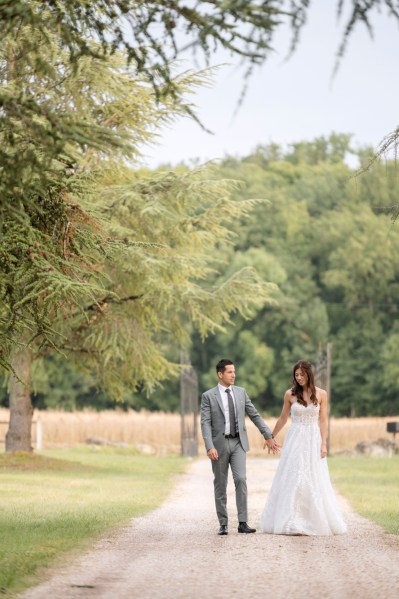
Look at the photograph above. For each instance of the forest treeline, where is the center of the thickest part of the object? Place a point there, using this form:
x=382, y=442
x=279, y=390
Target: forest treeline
x=328, y=242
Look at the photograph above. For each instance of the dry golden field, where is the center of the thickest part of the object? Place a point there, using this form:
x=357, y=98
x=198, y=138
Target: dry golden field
x=162, y=431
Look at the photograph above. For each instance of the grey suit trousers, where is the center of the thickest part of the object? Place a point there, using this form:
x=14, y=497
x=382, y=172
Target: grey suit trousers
x=234, y=456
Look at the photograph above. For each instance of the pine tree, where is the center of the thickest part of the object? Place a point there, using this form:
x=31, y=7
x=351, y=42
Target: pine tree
x=98, y=261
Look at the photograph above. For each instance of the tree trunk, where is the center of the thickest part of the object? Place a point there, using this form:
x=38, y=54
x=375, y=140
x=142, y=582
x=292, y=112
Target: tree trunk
x=19, y=436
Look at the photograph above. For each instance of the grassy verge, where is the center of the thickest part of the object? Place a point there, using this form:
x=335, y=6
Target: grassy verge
x=372, y=487
x=59, y=501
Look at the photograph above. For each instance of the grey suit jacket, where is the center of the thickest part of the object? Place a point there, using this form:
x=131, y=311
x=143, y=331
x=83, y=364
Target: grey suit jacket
x=213, y=420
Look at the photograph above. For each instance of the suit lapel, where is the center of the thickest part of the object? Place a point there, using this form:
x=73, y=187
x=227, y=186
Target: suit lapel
x=239, y=401
x=219, y=399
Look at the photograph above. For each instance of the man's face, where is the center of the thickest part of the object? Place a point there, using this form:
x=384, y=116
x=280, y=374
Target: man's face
x=227, y=377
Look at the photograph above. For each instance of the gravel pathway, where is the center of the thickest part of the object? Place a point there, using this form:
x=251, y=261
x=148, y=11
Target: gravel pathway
x=174, y=553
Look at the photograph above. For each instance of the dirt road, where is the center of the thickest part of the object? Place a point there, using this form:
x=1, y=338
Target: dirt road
x=174, y=553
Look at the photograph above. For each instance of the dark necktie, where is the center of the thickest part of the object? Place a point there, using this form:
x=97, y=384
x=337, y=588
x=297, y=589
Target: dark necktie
x=232, y=414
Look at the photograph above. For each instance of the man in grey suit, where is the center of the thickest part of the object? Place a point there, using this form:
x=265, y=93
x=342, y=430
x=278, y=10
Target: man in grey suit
x=223, y=411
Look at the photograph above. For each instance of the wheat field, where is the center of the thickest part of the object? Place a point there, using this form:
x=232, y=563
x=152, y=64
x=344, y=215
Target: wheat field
x=161, y=431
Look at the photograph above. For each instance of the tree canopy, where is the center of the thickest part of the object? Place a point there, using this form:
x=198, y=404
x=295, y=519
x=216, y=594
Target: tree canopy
x=152, y=33
x=103, y=262
x=51, y=220
x=99, y=262
x=102, y=236
x=327, y=243
x=155, y=32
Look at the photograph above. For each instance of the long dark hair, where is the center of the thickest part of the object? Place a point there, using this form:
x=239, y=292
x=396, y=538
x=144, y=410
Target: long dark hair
x=297, y=390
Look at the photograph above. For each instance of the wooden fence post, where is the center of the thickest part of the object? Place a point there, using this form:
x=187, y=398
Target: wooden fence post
x=39, y=434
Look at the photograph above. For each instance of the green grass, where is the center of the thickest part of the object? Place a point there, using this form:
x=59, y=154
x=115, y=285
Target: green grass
x=60, y=501
x=372, y=487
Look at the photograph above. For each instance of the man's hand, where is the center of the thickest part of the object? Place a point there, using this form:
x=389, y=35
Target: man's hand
x=272, y=446
x=213, y=454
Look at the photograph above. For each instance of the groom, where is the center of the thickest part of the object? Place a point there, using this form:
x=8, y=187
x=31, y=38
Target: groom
x=223, y=411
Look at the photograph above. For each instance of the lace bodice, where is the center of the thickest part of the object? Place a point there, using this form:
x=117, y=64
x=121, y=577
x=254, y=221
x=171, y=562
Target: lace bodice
x=304, y=415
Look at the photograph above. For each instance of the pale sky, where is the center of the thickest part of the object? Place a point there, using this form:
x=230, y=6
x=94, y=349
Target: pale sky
x=295, y=100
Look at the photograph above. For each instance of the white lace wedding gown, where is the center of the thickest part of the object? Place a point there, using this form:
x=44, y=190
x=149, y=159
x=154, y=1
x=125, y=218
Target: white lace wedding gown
x=301, y=499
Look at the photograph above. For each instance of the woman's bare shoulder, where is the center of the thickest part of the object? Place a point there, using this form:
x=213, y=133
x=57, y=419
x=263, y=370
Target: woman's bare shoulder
x=321, y=394
x=288, y=396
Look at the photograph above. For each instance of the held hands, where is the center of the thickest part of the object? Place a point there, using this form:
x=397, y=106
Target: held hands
x=272, y=446
x=213, y=454
x=323, y=451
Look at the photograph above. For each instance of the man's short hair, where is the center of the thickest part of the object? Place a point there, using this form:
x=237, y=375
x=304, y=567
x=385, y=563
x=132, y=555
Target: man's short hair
x=221, y=365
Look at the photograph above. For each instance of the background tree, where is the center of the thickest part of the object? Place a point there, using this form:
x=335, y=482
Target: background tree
x=49, y=235
x=154, y=32
x=105, y=264
x=327, y=241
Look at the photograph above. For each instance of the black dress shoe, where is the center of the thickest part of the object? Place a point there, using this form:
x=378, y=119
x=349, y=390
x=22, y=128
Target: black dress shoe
x=243, y=527
x=223, y=530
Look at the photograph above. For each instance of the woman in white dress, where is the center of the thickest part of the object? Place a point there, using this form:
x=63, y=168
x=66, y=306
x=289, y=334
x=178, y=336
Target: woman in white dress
x=301, y=500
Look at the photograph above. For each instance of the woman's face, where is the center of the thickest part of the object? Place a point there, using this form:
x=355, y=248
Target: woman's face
x=301, y=377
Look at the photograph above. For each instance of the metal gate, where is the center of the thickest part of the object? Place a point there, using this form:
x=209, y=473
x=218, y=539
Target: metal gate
x=188, y=407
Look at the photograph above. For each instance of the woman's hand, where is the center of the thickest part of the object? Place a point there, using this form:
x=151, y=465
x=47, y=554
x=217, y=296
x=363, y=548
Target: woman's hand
x=323, y=451
x=272, y=446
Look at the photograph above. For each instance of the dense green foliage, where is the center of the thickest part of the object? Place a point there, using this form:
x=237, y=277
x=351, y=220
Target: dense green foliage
x=99, y=261
x=104, y=263
x=326, y=240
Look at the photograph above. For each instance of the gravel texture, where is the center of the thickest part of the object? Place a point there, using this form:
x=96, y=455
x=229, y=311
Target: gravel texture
x=174, y=553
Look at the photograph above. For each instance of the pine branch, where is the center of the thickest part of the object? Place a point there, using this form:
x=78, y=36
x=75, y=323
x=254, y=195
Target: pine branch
x=109, y=299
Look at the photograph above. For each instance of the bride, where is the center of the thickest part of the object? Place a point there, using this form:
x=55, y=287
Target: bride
x=301, y=500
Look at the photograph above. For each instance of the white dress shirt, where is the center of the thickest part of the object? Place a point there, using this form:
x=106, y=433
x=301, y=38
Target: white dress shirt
x=225, y=400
